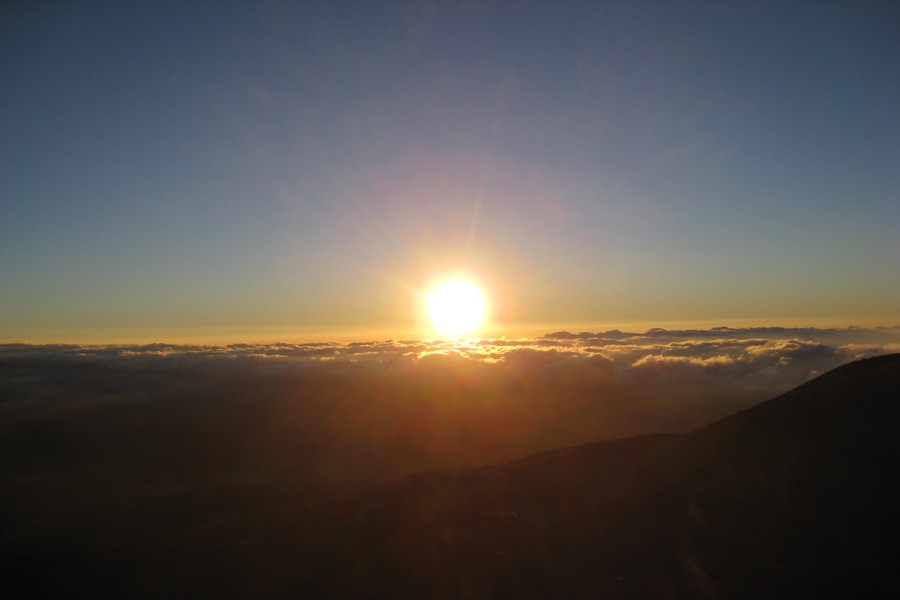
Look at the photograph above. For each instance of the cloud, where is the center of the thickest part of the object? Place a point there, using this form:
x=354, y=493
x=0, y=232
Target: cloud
x=325, y=415
x=721, y=352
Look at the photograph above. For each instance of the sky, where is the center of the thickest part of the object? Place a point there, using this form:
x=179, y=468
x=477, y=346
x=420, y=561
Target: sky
x=277, y=170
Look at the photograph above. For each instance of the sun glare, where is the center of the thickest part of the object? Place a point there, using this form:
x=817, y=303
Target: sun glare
x=456, y=308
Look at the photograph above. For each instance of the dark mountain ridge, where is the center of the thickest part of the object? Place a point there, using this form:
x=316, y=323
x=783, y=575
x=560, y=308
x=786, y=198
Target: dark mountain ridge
x=795, y=496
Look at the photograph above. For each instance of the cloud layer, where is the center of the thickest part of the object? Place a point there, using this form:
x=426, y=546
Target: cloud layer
x=784, y=356
x=329, y=416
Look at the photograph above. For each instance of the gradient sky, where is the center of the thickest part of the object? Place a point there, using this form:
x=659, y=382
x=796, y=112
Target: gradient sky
x=288, y=168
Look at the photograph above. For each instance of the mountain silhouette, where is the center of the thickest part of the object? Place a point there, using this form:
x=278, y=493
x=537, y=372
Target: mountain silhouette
x=794, y=497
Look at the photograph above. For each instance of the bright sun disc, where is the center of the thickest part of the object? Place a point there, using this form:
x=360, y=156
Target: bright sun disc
x=456, y=308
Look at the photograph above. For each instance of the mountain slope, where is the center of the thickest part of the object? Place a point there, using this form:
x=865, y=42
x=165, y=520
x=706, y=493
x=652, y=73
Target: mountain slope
x=794, y=496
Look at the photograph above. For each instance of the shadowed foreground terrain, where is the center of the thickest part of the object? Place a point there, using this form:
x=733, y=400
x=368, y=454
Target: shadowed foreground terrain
x=793, y=497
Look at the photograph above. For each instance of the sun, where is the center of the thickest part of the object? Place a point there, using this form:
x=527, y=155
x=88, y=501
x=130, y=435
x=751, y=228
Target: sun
x=456, y=308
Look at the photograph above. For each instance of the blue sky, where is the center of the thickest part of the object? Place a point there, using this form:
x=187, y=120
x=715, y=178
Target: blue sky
x=291, y=167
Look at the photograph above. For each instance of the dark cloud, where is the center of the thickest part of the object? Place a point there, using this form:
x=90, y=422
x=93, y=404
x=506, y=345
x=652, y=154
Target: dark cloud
x=328, y=415
x=720, y=351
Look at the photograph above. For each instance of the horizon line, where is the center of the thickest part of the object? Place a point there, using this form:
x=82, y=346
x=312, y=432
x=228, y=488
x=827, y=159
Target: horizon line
x=217, y=335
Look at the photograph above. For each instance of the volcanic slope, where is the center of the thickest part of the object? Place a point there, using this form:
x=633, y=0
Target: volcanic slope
x=794, y=497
